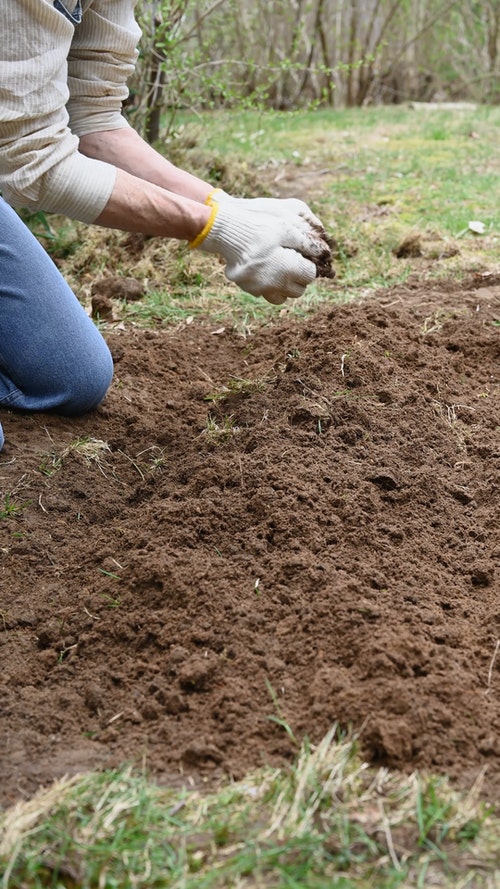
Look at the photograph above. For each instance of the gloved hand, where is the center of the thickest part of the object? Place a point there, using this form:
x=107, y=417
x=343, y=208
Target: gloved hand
x=266, y=254
x=285, y=207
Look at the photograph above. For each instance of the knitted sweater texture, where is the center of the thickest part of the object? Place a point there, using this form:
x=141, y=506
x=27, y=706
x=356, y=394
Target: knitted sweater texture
x=64, y=66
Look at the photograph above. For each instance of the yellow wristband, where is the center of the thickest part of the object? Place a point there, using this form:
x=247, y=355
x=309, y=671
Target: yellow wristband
x=206, y=228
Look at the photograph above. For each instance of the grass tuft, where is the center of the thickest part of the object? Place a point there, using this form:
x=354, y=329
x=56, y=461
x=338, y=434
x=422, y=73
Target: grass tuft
x=91, y=450
x=11, y=507
x=329, y=820
x=216, y=433
x=238, y=386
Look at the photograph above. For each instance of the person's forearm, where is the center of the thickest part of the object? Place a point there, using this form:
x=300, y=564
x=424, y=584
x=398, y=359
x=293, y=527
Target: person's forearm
x=128, y=151
x=139, y=206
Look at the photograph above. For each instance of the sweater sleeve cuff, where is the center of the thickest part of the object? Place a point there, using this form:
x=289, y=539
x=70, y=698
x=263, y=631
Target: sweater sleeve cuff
x=79, y=187
x=85, y=118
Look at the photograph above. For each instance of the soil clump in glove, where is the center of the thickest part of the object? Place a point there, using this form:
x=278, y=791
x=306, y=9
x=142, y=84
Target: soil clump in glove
x=323, y=263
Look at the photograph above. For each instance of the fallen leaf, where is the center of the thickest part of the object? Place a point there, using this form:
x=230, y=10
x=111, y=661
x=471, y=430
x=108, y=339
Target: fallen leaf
x=477, y=227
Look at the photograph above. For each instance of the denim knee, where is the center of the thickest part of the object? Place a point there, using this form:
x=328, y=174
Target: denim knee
x=88, y=384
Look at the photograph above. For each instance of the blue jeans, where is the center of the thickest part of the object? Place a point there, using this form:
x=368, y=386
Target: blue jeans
x=52, y=357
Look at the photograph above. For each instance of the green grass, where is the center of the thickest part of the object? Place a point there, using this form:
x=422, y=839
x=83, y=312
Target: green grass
x=9, y=507
x=382, y=172
x=374, y=176
x=326, y=821
x=336, y=135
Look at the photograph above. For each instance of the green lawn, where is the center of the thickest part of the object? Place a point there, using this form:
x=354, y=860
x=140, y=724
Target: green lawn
x=376, y=177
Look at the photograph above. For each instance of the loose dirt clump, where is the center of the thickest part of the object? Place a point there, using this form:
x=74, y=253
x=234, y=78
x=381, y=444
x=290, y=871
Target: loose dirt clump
x=301, y=526
x=324, y=268
x=411, y=245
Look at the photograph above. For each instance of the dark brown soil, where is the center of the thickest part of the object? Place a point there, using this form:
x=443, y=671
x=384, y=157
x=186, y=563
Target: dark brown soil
x=318, y=543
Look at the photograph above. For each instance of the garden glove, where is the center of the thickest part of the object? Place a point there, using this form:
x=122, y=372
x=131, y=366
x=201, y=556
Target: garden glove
x=285, y=207
x=266, y=255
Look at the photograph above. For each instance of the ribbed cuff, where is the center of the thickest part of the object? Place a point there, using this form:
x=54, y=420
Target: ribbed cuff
x=212, y=195
x=206, y=228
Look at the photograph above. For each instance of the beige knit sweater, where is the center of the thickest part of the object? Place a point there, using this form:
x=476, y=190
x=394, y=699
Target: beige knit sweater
x=60, y=80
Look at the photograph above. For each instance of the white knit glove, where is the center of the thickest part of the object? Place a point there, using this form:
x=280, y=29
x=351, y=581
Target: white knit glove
x=266, y=255
x=285, y=207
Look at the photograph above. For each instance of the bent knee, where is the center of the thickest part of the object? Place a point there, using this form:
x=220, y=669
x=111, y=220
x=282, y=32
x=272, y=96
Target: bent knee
x=88, y=386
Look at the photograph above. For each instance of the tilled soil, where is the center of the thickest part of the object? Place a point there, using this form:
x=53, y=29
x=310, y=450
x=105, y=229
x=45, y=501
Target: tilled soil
x=298, y=527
